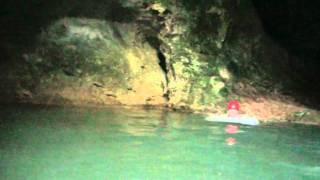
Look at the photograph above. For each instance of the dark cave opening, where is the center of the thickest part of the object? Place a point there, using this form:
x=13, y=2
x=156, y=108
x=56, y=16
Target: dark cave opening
x=294, y=24
x=155, y=43
x=162, y=61
x=163, y=65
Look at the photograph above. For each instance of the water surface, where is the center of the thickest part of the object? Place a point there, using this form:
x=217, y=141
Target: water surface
x=40, y=142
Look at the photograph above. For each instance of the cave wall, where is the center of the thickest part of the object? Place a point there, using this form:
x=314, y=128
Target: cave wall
x=188, y=53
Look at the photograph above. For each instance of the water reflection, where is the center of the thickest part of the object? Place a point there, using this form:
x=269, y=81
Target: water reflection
x=231, y=129
x=149, y=123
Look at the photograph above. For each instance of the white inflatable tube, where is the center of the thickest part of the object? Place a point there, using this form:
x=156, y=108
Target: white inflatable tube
x=239, y=120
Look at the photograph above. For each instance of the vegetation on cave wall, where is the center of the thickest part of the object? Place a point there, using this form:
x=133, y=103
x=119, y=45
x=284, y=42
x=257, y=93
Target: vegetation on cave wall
x=221, y=35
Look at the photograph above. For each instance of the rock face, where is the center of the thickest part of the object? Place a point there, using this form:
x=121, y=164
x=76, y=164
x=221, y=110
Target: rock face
x=94, y=61
x=179, y=54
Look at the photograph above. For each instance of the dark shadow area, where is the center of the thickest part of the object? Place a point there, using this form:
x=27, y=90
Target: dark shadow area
x=22, y=21
x=162, y=61
x=156, y=43
x=295, y=25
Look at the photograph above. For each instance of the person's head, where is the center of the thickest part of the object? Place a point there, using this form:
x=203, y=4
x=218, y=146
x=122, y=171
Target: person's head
x=234, y=105
x=233, y=108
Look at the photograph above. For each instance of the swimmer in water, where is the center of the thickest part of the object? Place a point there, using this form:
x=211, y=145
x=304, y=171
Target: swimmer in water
x=233, y=108
x=233, y=111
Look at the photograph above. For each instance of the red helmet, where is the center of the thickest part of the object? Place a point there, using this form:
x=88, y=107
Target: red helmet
x=234, y=105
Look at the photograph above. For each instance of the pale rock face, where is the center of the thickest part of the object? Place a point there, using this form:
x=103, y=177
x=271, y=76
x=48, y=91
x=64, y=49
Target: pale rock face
x=121, y=69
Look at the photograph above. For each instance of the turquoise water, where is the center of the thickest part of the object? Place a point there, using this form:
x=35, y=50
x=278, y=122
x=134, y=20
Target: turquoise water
x=117, y=143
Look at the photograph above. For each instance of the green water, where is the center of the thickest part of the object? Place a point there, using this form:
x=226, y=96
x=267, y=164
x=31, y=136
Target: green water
x=116, y=143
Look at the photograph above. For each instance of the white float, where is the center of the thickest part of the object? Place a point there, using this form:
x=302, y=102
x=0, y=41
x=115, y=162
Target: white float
x=238, y=120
